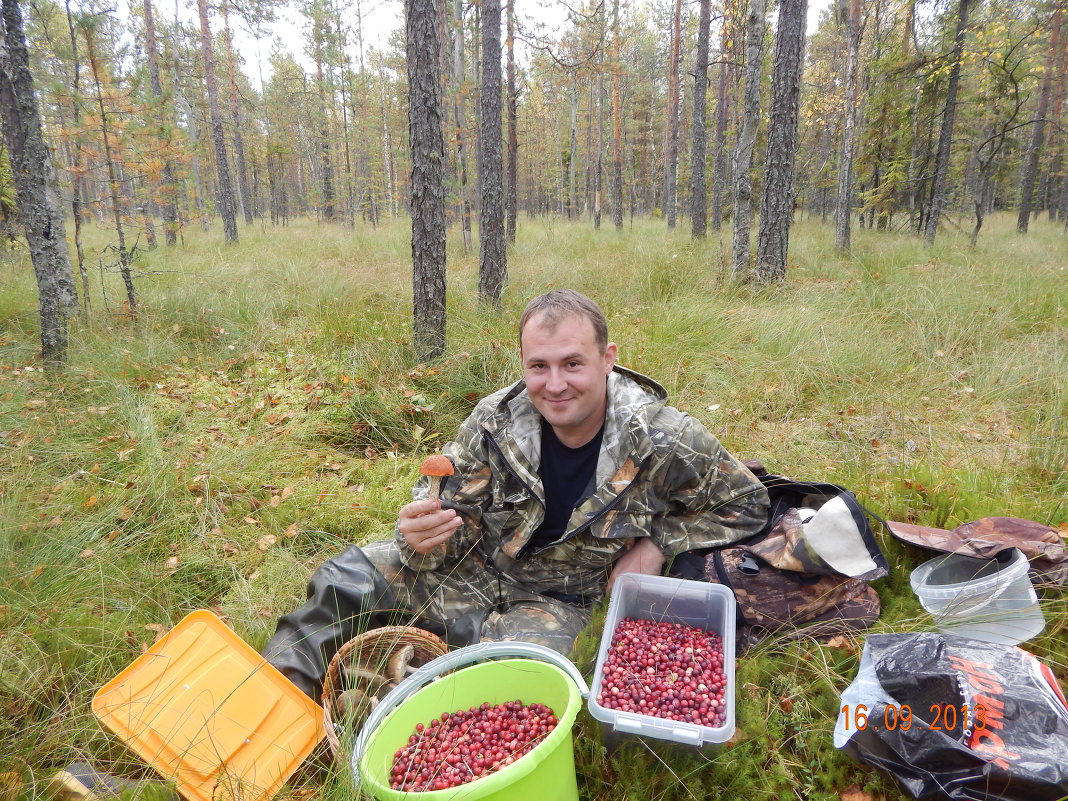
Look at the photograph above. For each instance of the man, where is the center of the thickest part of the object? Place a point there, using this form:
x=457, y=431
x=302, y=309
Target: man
x=565, y=480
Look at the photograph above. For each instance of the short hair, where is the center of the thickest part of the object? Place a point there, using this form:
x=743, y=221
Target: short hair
x=560, y=303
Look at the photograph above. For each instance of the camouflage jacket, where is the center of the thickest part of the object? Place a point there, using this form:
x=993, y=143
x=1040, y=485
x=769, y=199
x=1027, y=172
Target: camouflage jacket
x=660, y=474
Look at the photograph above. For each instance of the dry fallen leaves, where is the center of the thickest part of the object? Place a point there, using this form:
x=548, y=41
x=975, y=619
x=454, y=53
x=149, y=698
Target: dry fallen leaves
x=266, y=542
x=172, y=563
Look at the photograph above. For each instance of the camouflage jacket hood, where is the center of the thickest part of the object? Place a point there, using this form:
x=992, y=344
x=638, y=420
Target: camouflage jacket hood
x=659, y=474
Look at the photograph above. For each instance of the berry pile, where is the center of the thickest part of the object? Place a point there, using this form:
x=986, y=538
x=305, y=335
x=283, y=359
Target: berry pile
x=462, y=746
x=667, y=670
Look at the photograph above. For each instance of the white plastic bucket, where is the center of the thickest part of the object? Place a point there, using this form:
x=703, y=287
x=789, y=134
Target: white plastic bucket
x=985, y=599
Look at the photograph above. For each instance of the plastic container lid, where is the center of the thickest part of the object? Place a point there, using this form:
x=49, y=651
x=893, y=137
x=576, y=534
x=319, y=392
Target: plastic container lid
x=202, y=707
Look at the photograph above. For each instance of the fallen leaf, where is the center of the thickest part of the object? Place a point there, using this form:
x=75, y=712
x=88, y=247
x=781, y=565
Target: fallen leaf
x=786, y=704
x=275, y=501
x=252, y=521
x=854, y=793
x=125, y=514
x=265, y=542
x=91, y=502
x=286, y=492
x=172, y=563
x=86, y=553
x=839, y=641
x=55, y=521
x=157, y=628
x=216, y=531
x=293, y=530
x=113, y=534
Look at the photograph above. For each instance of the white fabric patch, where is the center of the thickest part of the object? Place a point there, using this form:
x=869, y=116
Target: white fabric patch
x=832, y=533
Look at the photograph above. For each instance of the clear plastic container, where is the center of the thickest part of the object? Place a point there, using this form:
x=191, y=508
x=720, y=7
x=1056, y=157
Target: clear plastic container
x=984, y=599
x=696, y=603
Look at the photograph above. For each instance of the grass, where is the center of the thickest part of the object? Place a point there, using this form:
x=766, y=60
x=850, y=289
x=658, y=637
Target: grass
x=266, y=410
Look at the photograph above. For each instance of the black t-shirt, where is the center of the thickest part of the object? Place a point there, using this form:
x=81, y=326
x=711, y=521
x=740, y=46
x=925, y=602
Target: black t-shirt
x=567, y=474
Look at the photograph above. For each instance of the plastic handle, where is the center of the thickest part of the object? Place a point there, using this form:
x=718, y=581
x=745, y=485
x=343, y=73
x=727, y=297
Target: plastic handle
x=453, y=660
x=687, y=735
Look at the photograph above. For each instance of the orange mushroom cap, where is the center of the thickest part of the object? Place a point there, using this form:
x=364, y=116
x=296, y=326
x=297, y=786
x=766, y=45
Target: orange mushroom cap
x=436, y=465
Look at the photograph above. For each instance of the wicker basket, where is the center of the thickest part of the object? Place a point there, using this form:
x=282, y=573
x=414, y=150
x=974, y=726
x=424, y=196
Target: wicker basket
x=370, y=651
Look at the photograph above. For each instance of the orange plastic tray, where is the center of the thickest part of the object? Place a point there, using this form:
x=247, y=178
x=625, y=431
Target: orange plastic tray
x=204, y=709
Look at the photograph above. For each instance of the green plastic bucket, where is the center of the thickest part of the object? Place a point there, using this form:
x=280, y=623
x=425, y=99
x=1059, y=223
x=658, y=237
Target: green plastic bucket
x=546, y=773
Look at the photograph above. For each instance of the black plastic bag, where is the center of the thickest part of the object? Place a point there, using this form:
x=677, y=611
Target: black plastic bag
x=957, y=718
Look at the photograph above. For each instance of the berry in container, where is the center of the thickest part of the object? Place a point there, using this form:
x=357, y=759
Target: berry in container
x=665, y=667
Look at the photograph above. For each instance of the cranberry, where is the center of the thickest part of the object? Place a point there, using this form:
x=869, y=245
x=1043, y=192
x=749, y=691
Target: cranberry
x=666, y=670
x=462, y=746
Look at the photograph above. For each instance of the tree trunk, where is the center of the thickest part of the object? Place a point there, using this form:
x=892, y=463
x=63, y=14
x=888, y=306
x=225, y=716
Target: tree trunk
x=777, y=199
x=113, y=173
x=168, y=189
x=945, y=136
x=235, y=118
x=572, y=160
x=743, y=154
x=671, y=134
x=38, y=201
x=617, y=123
x=428, y=178
x=493, y=265
x=512, y=179
x=721, y=162
x=459, y=110
x=77, y=160
x=598, y=162
x=698, y=199
x=843, y=208
x=1038, y=129
x=227, y=207
x=326, y=163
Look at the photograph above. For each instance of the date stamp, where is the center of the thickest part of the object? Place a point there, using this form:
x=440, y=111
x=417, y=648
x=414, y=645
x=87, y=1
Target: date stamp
x=940, y=717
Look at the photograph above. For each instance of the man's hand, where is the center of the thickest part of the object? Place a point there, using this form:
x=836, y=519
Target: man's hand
x=645, y=557
x=425, y=525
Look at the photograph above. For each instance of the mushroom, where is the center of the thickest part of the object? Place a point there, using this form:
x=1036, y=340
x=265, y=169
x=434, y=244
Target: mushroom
x=436, y=467
x=356, y=703
x=398, y=666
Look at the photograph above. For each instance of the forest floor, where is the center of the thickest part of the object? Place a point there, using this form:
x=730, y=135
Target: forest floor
x=266, y=410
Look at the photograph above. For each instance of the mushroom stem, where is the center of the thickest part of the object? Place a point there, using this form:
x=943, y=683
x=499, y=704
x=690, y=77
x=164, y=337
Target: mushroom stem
x=435, y=487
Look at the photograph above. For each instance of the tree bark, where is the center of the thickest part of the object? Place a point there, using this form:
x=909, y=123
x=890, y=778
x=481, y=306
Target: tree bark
x=617, y=123
x=572, y=158
x=168, y=187
x=493, y=265
x=945, y=136
x=235, y=118
x=698, y=192
x=512, y=180
x=114, y=187
x=777, y=199
x=743, y=154
x=459, y=109
x=1038, y=129
x=721, y=179
x=39, y=205
x=77, y=160
x=227, y=207
x=843, y=208
x=428, y=178
x=671, y=134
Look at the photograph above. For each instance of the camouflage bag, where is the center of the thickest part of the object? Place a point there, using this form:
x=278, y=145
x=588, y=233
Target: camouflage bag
x=808, y=568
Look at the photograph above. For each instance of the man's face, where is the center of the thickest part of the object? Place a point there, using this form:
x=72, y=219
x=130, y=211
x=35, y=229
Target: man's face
x=565, y=374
